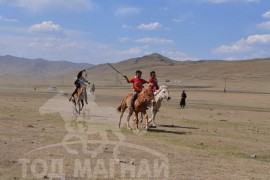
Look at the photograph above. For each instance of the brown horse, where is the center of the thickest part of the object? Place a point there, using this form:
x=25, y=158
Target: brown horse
x=143, y=100
x=78, y=99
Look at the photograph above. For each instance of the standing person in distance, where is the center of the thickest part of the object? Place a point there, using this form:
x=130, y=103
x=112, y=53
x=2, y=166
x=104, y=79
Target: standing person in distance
x=183, y=99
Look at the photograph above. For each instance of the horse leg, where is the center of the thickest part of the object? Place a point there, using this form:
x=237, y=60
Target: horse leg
x=152, y=113
x=121, y=115
x=141, y=118
x=146, y=120
x=79, y=104
x=128, y=118
x=82, y=103
x=74, y=103
x=153, y=118
x=137, y=121
x=85, y=96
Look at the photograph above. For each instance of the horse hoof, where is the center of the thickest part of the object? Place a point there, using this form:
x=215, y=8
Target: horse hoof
x=129, y=128
x=149, y=120
x=137, y=130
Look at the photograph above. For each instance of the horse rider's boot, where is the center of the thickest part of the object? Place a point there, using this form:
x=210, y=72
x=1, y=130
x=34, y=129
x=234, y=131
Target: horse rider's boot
x=132, y=105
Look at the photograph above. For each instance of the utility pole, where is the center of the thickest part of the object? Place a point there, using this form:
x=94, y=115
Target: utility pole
x=225, y=84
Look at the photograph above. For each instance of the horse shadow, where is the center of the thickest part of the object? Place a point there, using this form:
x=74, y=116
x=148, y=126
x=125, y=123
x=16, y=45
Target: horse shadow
x=173, y=126
x=166, y=131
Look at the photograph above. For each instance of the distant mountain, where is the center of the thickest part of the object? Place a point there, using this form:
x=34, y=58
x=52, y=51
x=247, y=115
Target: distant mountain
x=130, y=65
x=37, y=67
x=154, y=59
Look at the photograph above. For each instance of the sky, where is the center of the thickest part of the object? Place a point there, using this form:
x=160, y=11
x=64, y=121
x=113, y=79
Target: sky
x=100, y=31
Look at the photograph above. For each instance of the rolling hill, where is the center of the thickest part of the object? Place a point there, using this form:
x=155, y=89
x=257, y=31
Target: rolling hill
x=16, y=66
x=169, y=69
x=245, y=75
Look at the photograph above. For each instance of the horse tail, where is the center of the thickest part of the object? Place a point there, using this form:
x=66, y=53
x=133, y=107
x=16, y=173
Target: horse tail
x=119, y=108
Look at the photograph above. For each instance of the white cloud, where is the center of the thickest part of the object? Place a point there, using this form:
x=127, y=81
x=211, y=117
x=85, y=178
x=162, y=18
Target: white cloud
x=125, y=11
x=7, y=19
x=126, y=53
x=177, y=55
x=54, y=48
x=266, y=15
x=230, y=49
x=150, y=26
x=257, y=40
x=125, y=26
x=46, y=27
x=37, y=5
x=155, y=40
x=264, y=25
x=131, y=51
x=250, y=44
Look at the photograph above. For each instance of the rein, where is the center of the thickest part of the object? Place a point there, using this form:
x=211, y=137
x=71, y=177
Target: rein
x=159, y=90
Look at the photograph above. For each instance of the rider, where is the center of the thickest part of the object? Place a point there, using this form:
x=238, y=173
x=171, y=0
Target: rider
x=80, y=79
x=137, y=86
x=153, y=80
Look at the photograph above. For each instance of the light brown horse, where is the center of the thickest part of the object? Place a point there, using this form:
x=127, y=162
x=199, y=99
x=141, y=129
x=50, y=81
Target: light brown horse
x=143, y=100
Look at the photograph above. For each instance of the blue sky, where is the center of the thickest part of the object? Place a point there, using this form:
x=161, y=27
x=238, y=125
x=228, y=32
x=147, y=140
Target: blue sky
x=99, y=31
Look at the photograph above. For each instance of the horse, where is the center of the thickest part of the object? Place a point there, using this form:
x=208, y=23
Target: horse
x=80, y=96
x=142, y=102
x=77, y=99
x=94, y=119
x=159, y=95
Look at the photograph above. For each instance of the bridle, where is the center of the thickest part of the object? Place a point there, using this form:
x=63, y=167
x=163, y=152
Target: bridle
x=161, y=88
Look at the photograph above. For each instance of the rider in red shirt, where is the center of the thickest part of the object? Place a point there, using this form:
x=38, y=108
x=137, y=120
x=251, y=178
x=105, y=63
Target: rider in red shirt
x=153, y=80
x=137, y=86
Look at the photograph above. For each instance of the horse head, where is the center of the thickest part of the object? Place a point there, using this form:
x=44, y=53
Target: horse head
x=148, y=95
x=163, y=93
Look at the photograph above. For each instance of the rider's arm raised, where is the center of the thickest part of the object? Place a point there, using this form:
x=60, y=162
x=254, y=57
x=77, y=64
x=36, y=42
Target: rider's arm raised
x=127, y=79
